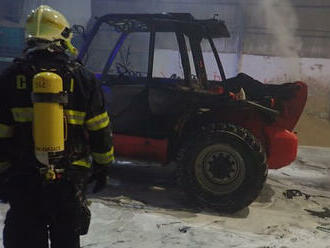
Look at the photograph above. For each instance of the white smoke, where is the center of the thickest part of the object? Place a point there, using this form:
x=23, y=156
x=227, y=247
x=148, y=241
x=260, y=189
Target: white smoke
x=282, y=22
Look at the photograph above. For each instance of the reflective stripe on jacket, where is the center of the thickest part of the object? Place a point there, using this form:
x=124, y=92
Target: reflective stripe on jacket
x=88, y=123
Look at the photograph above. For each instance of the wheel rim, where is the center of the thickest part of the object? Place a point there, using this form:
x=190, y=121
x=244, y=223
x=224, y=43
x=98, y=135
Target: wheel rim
x=220, y=169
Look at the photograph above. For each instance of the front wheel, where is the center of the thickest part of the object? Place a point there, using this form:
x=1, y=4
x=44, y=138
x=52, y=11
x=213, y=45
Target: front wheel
x=222, y=166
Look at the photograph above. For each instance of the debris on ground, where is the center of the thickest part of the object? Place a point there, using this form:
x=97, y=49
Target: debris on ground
x=291, y=193
x=321, y=214
x=323, y=228
x=184, y=229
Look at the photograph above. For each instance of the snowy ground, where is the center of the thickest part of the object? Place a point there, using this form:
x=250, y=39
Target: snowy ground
x=143, y=208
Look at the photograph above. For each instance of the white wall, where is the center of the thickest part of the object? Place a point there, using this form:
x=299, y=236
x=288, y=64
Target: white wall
x=263, y=68
x=275, y=69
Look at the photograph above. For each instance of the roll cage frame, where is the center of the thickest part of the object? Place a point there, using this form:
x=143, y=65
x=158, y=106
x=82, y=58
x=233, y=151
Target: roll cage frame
x=182, y=24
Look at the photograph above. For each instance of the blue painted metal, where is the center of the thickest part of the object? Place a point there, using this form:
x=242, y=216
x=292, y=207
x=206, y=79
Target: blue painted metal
x=98, y=76
x=114, y=53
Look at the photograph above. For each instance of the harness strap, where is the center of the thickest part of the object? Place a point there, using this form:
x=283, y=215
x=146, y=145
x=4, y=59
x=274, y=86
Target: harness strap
x=61, y=97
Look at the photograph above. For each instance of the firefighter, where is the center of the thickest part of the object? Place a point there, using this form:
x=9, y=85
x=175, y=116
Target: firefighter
x=53, y=130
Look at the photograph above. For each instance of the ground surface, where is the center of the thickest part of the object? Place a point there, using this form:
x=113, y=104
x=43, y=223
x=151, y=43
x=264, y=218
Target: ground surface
x=143, y=208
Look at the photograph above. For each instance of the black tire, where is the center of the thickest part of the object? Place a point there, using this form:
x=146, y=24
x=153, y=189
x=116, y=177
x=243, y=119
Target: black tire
x=237, y=182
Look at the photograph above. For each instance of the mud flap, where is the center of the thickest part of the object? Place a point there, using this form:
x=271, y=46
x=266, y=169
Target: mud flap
x=293, y=107
x=282, y=142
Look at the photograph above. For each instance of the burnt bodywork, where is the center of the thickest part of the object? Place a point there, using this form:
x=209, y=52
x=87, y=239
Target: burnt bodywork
x=151, y=115
x=153, y=112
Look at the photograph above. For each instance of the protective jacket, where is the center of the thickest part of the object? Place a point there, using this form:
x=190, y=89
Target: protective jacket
x=88, y=131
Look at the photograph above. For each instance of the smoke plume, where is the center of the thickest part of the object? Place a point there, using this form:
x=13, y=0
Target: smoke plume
x=281, y=20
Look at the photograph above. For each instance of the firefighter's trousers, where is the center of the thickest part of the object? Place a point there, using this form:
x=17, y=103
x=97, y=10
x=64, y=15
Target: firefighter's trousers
x=41, y=212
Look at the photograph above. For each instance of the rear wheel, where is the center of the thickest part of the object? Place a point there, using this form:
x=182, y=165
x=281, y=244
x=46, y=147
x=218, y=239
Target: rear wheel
x=222, y=166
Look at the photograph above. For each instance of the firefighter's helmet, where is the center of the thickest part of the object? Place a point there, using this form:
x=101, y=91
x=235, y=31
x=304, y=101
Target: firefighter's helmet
x=47, y=24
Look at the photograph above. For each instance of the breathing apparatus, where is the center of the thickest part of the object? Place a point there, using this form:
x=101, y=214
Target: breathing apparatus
x=48, y=120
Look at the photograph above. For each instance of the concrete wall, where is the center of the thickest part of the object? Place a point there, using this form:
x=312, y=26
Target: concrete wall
x=76, y=11
x=15, y=11
x=247, y=21
x=266, y=69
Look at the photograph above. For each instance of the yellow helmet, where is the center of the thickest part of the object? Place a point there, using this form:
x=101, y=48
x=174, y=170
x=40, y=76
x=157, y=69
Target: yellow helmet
x=47, y=24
